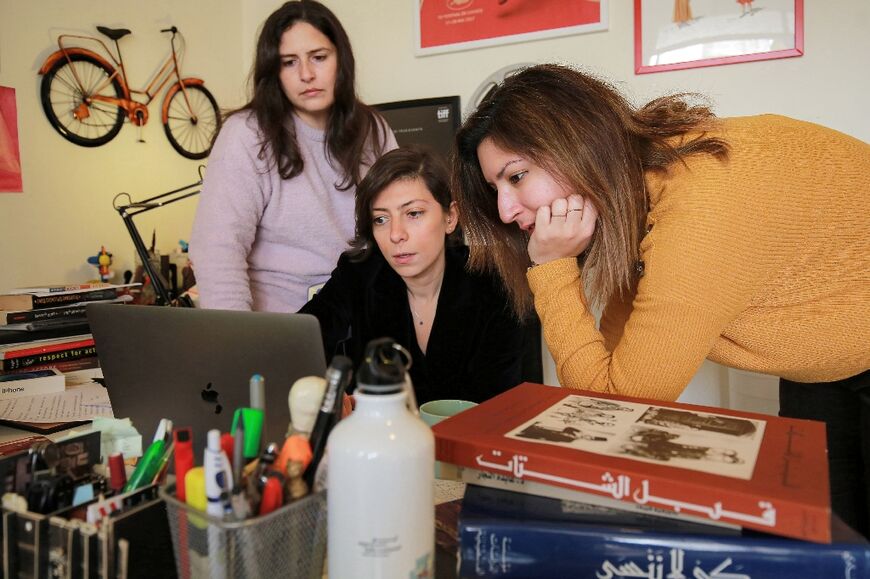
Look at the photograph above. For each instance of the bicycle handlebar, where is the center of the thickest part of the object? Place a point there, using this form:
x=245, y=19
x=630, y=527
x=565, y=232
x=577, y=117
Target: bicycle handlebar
x=173, y=30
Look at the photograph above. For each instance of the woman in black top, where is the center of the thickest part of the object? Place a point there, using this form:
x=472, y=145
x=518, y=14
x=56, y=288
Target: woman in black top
x=405, y=278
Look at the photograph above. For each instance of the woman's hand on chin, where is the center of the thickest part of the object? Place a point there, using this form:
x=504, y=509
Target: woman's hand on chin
x=562, y=229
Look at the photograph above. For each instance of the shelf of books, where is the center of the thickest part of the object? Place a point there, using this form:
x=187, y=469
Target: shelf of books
x=46, y=350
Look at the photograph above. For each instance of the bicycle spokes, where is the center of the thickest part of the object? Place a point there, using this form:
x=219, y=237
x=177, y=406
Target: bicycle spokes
x=68, y=94
x=86, y=98
x=192, y=120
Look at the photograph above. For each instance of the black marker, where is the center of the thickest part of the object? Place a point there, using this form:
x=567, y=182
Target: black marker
x=337, y=380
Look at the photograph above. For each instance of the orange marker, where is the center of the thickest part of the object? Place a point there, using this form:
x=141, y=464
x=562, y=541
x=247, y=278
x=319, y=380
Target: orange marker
x=297, y=448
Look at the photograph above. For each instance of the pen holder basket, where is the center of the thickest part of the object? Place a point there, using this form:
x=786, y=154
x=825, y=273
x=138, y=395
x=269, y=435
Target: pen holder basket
x=289, y=542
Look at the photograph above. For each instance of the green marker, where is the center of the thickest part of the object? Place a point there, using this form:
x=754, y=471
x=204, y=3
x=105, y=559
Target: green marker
x=147, y=467
x=254, y=417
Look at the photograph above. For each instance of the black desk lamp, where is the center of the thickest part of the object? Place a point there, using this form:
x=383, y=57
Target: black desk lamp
x=132, y=209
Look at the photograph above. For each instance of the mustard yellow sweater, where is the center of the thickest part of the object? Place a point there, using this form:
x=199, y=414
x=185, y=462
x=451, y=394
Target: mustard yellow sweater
x=760, y=262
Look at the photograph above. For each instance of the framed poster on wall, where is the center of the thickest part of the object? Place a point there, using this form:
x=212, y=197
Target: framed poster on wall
x=10, y=156
x=679, y=34
x=450, y=25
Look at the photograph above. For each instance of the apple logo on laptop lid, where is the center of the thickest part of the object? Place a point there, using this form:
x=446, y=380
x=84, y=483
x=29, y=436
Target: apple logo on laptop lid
x=210, y=396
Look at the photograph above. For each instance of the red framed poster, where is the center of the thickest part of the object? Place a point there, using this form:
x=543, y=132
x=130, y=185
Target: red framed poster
x=451, y=25
x=679, y=34
x=10, y=157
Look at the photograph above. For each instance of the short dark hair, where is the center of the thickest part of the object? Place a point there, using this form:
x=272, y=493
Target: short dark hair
x=402, y=164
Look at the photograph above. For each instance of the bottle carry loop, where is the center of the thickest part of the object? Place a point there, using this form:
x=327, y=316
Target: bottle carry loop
x=386, y=371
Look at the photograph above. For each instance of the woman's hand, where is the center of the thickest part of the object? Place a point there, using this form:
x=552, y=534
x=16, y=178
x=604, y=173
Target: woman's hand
x=562, y=229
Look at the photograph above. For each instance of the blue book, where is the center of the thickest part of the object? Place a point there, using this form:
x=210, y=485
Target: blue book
x=543, y=537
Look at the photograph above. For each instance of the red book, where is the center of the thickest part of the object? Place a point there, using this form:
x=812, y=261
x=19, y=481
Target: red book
x=754, y=470
x=25, y=349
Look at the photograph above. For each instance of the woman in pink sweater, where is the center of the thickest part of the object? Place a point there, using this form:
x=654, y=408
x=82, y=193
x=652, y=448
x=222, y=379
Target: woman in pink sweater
x=276, y=208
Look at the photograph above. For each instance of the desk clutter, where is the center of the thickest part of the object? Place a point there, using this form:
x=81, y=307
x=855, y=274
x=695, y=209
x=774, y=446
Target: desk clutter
x=48, y=358
x=62, y=517
x=556, y=483
x=249, y=507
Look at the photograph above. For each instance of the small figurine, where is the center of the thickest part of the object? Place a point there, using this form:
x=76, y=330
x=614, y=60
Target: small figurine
x=296, y=486
x=103, y=260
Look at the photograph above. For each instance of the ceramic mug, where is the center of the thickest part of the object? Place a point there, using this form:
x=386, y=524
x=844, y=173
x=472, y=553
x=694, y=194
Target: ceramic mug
x=435, y=411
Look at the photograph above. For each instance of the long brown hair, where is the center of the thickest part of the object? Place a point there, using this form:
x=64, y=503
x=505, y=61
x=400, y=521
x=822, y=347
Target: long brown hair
x=594, y=143
x=403, y=164
x=351, y=124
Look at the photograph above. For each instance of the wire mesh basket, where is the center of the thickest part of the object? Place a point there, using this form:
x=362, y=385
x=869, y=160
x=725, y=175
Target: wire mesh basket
x=289, y=542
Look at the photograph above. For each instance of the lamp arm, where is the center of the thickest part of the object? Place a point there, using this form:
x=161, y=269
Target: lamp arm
x=127, y=215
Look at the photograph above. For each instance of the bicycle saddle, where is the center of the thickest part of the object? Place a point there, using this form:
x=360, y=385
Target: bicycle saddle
x=114, y=33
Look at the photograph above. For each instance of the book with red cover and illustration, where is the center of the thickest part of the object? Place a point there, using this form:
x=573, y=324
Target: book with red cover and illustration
x=757, y=471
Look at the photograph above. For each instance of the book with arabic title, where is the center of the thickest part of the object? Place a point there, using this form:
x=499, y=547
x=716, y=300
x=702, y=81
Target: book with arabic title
x=506, y=534
x=752, y=470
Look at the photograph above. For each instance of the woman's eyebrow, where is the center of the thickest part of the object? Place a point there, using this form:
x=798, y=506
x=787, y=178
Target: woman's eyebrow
x=403, y=205
x=500, y=174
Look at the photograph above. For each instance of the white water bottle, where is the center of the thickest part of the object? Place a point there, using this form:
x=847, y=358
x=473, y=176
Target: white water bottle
x=381, y=478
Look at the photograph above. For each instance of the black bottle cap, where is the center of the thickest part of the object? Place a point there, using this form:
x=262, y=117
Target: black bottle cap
x=383, y=368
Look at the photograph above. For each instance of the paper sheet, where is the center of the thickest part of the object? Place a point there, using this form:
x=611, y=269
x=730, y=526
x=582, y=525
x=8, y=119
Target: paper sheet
x=448, y=490
x=79, y=402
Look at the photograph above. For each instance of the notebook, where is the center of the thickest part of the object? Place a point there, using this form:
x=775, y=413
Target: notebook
x=194, y=366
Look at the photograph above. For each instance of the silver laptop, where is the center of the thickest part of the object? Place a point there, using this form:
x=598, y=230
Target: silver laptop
x=194, y=366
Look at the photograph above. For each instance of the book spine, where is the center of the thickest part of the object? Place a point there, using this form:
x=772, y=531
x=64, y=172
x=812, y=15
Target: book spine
x=65, y=366
x=492, y=547
x=59, y=288
x=46, y=358
x=47, y=348
x=40, y=384
x=528, y=487
x=25, y=316
x=681, y=496
x=60, y=299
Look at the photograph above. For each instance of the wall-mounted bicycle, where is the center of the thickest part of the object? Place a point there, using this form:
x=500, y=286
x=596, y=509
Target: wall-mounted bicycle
x=86, y=97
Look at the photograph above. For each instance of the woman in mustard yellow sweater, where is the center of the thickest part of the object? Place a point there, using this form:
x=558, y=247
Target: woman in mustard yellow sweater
x=745, y=241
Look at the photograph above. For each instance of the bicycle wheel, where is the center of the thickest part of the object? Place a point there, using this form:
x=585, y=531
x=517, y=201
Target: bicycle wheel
x=191, y=130
x=68, y=104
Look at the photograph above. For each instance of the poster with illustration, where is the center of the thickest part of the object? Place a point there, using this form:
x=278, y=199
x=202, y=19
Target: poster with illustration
x=10, y=158
x=449, y=25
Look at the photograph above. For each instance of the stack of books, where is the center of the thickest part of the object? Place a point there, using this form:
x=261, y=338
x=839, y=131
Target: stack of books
x=55, y=307
x=571, y=483
x=45, y=347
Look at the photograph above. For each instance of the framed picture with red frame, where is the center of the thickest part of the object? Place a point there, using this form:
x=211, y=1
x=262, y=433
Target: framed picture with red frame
x=451, y=25
x=680, y=34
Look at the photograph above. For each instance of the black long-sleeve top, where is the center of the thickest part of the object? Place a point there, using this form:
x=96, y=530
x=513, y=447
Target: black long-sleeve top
x=476, y=346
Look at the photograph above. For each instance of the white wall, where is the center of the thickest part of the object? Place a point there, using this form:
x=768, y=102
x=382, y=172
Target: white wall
x=65, y=213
